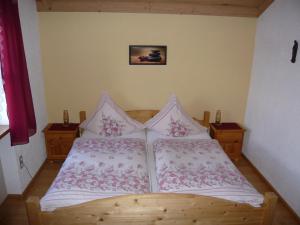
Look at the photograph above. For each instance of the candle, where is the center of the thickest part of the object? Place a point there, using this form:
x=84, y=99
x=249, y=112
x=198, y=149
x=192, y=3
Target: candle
x=218, y=116
x=66, y=118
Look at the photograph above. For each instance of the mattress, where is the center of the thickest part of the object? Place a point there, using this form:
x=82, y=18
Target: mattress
x=196, y=165
x=99, y=168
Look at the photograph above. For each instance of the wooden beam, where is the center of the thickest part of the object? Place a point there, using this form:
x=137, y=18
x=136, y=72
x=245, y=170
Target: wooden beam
x=265, y=4
x=47, y=4
x=198, y=9
x=249, y=8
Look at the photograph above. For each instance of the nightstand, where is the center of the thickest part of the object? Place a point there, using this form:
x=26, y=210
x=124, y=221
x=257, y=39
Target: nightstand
x=59, y=139
x=230, y=137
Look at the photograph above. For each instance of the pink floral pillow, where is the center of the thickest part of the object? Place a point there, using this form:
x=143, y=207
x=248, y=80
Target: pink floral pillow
x=173, y=121
x=110, y=120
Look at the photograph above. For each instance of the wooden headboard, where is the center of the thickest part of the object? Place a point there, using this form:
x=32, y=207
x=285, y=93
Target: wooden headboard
x=144, y=115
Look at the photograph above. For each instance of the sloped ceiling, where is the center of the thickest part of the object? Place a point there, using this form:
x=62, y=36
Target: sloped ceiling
x=244, y=8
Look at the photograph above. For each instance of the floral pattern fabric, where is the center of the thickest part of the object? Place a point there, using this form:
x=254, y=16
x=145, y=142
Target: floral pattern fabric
x=200, y=167
x=99, y=168
x=109, y=120
x=178, y=128
x=110, y=127
x=173, y=121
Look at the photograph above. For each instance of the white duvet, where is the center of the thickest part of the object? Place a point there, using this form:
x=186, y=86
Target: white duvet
x=196, y=165
x=99, y=168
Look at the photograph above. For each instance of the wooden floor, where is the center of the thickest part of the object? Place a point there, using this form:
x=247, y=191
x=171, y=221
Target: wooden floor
x=12, y=211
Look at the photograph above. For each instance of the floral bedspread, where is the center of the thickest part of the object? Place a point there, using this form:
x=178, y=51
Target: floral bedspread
x=99, y=168
x=200, y=167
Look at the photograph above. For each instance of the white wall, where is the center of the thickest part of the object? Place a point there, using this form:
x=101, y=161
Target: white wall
x=10, y=166
x=34, y=154
x=3, y=192
x=273, y=110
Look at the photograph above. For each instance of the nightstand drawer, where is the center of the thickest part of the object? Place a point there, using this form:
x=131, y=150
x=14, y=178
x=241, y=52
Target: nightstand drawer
x=229, y=137
x=59, y=146
x=60, y=136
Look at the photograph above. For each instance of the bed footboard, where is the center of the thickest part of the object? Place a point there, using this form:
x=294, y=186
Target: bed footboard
x=150, y=209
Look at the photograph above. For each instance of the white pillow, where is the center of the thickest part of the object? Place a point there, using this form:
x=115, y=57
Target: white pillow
x=173, y=121
x=141, y=134
x=110, y=120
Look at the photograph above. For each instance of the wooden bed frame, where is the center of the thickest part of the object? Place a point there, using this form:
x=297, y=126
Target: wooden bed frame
x=155, y=209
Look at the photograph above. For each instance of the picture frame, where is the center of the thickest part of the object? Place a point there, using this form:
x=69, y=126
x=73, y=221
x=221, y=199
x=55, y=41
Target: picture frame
x=147, y=54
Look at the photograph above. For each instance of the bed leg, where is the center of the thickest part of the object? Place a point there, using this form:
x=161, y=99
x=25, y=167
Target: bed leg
x=269, y=204
x=33, y=210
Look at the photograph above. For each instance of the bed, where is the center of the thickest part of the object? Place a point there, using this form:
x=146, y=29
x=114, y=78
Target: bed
x=155, y=208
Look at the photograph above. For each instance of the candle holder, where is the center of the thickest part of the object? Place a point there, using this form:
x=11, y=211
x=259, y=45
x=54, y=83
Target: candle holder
x=66, y=118
x=218, y=117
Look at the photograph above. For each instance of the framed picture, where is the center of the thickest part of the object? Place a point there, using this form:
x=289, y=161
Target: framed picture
x=147, y=55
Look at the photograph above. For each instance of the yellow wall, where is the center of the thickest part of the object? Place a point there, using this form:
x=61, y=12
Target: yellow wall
x=208, y=65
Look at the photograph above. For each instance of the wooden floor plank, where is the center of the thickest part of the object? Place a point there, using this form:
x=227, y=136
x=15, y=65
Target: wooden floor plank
x=12, y=211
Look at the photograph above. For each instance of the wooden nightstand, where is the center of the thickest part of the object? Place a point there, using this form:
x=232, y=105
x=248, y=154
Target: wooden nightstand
x=59, y=139
x=230, y=137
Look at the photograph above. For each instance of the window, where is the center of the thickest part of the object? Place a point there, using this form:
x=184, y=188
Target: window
x=3, y=111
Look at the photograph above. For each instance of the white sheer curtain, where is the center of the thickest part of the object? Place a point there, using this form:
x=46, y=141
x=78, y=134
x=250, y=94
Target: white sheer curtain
x=3, y=113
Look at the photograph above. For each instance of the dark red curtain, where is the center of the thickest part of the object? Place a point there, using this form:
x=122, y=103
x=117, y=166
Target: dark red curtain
x=16, y=84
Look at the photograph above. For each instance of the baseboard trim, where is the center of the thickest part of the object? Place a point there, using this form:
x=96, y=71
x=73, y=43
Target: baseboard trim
x=273, y=189
x=13, y=196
